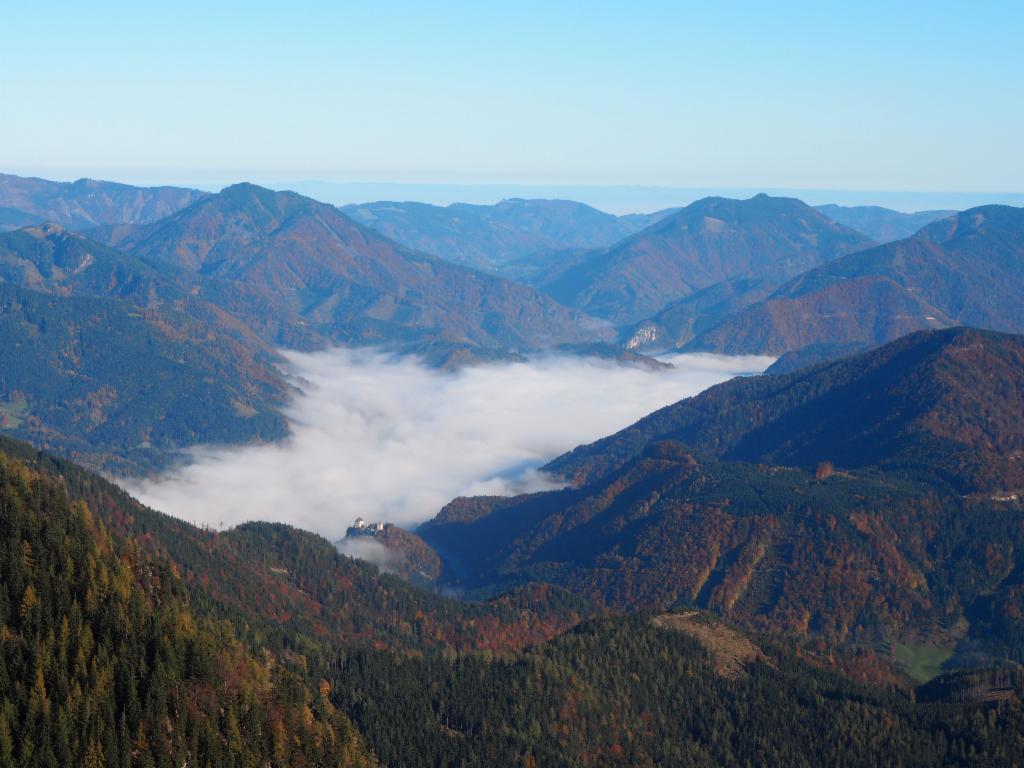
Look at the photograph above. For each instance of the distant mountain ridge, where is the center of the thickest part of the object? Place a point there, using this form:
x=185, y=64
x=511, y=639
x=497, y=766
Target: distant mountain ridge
x=86, y=203
x=882, y=225
x=197, y=303
x=506, y=238
x=968, y=269
x=708, y=242
x=302, y=274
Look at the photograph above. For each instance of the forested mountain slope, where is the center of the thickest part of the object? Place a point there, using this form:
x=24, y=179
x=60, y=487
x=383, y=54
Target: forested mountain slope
x=122, y=388
x=708, y=242
x=967, y=269
x=623, y=692
x=103, y=662
x=128, y=636
x=944, y=403
x=303, y=274
x=292, y=589
x=873, y=500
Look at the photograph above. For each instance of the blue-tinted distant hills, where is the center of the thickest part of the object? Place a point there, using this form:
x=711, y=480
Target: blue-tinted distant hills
x=86, y=203
x=882, y=225
x=514, y=236
x=624, y=199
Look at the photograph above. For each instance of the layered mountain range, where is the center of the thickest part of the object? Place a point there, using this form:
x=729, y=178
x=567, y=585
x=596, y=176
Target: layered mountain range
x=513, y=237
x=198, y=303
x=820, y=566
x=303, y=274
x=968, y=269
x=708, y=242
x=872, y=500
x=217, y=282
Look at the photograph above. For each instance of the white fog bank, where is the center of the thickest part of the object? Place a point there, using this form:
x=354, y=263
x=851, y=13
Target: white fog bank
x=387, y=438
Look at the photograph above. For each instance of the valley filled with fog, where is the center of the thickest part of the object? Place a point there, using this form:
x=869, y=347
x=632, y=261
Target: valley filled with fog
x=388, y=438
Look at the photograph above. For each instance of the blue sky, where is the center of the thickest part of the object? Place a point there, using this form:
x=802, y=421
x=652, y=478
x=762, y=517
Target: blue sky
x=867, y=95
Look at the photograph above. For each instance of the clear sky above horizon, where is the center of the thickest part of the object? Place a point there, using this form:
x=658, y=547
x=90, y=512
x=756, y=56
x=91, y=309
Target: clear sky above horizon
x=868, y=95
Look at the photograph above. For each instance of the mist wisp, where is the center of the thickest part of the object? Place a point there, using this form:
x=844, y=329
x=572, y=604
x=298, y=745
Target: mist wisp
x=388, y=438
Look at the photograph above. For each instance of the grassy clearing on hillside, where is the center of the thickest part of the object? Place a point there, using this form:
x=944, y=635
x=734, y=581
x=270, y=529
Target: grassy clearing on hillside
x=12, y=413
x=921, y=662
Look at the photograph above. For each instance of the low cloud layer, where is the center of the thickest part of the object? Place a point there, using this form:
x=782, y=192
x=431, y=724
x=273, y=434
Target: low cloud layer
x=390, y=439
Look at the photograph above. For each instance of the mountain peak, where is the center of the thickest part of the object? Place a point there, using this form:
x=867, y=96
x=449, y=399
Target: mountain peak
x=709, y=241
x=1005, y=220
x=248, y=193
x=302, y=272
x=45, y=229
x=244, y=187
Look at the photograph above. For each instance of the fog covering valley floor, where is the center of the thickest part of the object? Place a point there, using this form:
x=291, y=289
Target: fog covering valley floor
x=386, y=437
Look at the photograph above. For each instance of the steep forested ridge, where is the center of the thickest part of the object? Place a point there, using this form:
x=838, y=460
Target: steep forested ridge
x=119, y=644
x=946, y=403
x=102, y=662
x=872, y=501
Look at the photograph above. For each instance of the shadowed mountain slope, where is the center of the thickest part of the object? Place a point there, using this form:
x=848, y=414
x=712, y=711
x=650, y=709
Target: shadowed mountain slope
x=948, y=401
x=122, y=388
x=108, y=360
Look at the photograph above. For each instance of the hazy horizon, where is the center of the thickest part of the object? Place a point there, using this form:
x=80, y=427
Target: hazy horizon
x=615, y=199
